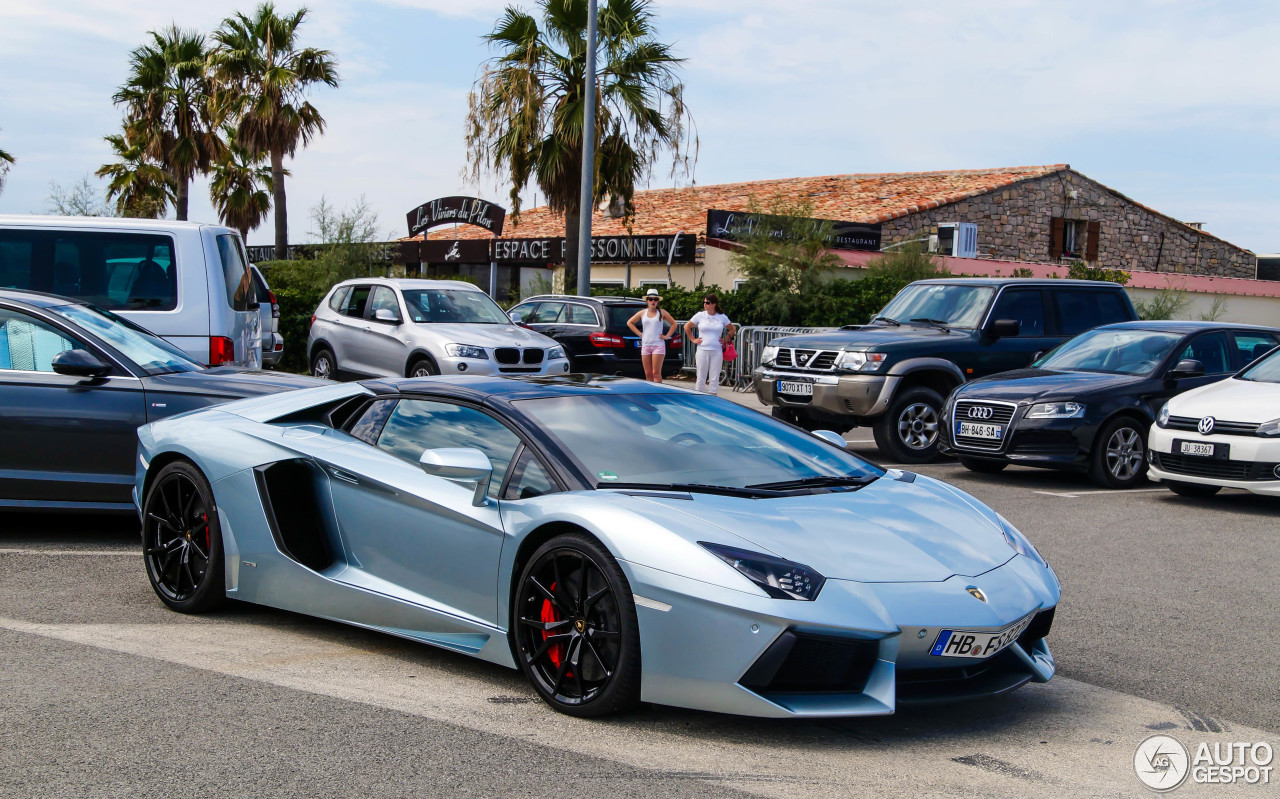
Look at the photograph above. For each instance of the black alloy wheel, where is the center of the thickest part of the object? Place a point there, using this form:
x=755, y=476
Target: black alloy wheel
x=1199, y=490
x=576, y=633
x=908, y=431
x=324, y=365
x=181, y=540
x=1120, y=454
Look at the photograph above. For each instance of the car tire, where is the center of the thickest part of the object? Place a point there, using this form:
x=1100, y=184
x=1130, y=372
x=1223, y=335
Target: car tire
x=182, y=540
x=422, y=367
x=324, y=365
x=982, y=465
x=1198, y=490
x=1119, y=457
x=908, y=431
x=599, y=620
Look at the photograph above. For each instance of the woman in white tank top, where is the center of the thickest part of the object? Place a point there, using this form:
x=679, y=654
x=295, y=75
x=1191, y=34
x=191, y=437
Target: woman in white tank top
x=653, y=347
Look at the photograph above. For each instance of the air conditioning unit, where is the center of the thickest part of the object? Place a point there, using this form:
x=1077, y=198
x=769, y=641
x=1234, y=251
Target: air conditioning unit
x=956, y=238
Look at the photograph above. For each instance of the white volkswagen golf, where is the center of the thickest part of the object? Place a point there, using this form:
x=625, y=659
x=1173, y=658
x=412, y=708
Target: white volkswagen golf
x=1223, y=435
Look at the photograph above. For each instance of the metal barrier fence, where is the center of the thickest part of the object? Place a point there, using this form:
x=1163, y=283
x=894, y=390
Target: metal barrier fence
x=750, y=342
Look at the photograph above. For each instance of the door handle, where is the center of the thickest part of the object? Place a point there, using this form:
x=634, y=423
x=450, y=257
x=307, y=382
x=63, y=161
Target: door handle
x=345, y=477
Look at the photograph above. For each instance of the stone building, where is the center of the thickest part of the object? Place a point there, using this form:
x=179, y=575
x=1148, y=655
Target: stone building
x=1031, y=215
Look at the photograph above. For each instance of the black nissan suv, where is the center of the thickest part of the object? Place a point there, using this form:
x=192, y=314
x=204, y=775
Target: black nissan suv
x=895, y=372
x=594, y=332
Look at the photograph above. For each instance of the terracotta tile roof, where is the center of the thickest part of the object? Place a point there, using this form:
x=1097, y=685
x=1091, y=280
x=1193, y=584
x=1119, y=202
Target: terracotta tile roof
x=853, y=198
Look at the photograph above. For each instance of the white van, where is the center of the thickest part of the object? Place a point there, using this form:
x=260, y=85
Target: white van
x=184, y=281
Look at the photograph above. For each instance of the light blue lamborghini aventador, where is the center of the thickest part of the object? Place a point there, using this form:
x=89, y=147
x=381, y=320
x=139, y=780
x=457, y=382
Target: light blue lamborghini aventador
x=618, y=541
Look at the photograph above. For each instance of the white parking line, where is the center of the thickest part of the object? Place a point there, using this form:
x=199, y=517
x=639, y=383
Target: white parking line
x=129, y=553
x=1104, y=493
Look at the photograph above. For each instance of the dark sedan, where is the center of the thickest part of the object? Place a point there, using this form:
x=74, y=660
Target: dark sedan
x=75, y=384
x=594, y=332
x=1088, y=404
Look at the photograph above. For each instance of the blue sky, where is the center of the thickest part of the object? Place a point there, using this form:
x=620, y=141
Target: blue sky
x=1175, y=104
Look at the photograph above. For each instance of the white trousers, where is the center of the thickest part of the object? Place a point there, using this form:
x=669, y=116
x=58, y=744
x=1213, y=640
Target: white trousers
x=708, y=363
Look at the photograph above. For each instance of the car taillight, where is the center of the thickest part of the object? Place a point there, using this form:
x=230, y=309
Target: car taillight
x=606, y=341
x=675, y=343
x=275, y=306
x=312, y=322
x=221, y=350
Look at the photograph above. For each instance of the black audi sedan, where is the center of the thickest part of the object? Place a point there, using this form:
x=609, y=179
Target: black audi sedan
x=76, y=382
x=1087, y=405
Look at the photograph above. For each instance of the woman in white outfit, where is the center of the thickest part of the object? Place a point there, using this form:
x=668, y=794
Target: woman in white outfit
x=714, y=328
x=653, y=345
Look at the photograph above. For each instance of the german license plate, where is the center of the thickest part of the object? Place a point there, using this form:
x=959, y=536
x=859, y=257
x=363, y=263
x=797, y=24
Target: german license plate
x=966, y=644
x=793, y=387
x=1197, y=449
x=977, y=430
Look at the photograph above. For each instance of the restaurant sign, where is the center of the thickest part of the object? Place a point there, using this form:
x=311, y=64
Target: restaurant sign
x=738, y=225
x=604, y=249
x=457, y=210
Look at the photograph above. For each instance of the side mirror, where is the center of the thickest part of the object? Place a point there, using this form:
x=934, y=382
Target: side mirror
x=386, y=315
x=516, y=316
x=1003, y=328
x=79, y=363
x=831, y=437
x=465, y=465
x=1187, y=367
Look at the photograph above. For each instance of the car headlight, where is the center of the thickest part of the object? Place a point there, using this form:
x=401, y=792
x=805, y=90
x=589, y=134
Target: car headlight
x=1270, y=429
x=1162, y=418
x=780, y=579
x=1019, y=542
x=860, y=361
x=466, y=351
x=1056, y=410
x=768, y=355
x=555, y=354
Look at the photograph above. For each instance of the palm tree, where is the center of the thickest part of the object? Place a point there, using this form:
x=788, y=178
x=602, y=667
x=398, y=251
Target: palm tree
x=6, y=161
x=168, y=109
x=139, y=186
x=525, y=112
x=241, y=188
x=262, y=78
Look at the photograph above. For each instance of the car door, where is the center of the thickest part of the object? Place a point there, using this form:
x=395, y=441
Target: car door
x=1211, y=350
x=414, y=533
x=1249, y=346
x=66, y=439
x=348, y=335
x=1002, y=354
x=384, y=351
x=547, y=319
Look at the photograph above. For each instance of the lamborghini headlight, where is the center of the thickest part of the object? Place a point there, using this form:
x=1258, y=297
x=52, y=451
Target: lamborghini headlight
x=555, y=354
x=466, y=351
x=1162, y=418
x=780, y=579
x=1019, y=542
x=1269, y=429
x=860, y=361
x=1056, y=410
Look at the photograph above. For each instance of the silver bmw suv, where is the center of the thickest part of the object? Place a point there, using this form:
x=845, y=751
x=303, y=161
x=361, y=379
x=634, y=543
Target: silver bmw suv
x=416, y=328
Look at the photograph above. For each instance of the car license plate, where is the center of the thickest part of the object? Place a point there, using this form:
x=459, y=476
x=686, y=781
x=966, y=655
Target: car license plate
x=966, y=644
x=1196, y=448
x=792, y=387
x=976, y=430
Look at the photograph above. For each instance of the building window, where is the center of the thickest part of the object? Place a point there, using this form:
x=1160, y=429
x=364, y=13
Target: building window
x=606, y=284
x=1073, y=238
x=739, y=282
x=664, y=283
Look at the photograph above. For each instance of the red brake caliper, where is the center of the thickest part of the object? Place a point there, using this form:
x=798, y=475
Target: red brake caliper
x=549, y=615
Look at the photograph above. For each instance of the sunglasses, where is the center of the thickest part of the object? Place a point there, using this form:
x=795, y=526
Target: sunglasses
x=651, y=299
x=708, y=302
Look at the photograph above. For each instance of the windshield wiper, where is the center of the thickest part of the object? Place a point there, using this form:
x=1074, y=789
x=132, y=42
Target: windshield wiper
x=818, y=481
x=886, y=320
x=697, y=488
x=938, y=323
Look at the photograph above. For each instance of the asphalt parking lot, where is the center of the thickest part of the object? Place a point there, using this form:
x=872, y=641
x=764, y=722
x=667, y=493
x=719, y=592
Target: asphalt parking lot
x=1170, y=621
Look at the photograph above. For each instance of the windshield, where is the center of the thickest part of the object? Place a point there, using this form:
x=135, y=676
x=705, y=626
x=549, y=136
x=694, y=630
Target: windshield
x=685, y=438
x=150, y=352
x=453, y=306
x=956, y=306
x=1267, y=370
x=1119, y=352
